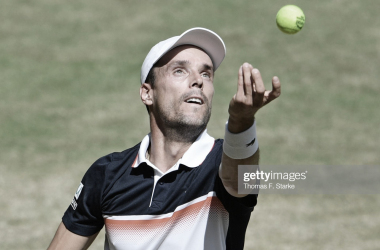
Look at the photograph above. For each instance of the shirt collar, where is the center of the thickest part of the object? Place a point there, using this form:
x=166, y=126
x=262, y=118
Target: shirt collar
x=192, y=158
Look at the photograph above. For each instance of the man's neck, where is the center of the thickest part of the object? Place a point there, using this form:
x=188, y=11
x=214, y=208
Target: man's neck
x=164, y=154
x=165, y=150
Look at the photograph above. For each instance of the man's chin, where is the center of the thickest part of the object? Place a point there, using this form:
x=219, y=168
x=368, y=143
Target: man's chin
x=187, y=127
x=196, y=125
x=196, y=119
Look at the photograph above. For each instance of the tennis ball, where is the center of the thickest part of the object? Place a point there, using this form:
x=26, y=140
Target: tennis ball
x=290, y=19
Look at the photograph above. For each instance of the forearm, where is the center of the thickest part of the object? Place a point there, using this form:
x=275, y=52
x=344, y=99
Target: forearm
x=228, y=171
x=237, y=125
x=240, y=148
x=64, y=239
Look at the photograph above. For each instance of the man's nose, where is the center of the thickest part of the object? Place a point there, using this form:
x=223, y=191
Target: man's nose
x=197, y=81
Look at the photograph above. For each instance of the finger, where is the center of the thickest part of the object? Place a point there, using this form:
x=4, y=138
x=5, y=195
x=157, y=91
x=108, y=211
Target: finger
x=276, y=89
x=240, y=90
x=259, y=86
x=247, y=79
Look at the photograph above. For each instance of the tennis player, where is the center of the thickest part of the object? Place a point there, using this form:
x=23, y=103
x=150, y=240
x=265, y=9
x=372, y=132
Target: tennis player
x=177, y=188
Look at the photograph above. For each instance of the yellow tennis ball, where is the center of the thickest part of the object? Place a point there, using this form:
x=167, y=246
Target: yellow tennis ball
x=290, y=19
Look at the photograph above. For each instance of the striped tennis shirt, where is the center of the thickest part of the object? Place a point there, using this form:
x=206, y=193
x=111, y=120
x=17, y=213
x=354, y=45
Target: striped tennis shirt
x=187, y=207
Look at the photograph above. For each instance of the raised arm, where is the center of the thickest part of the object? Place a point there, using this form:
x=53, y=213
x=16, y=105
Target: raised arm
x=249, y=98
x=64, y=239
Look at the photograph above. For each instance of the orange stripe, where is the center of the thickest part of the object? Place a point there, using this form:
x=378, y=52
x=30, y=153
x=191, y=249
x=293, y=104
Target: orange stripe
x=188, y=212
x=135, y=160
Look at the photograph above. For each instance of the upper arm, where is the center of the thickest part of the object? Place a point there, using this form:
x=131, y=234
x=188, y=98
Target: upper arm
x=83, y=219
x=228, y=171
x=64, y=239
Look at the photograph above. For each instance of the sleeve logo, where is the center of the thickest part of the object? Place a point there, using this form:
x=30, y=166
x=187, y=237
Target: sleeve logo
x=79, y=190
x=74, y=204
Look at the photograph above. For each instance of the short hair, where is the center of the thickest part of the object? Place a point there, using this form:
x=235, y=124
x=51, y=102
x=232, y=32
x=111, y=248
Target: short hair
x=151, y=77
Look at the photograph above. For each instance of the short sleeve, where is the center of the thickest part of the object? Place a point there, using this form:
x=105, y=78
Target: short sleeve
x=84, y=215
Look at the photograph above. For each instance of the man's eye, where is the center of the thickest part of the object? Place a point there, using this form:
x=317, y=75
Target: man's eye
x=206, y=75
x=178, y=71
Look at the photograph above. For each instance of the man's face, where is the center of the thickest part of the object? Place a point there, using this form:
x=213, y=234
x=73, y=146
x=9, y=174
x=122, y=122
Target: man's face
x=183, y=88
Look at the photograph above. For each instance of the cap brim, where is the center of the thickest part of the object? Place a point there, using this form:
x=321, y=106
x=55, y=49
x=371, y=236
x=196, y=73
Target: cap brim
x=203, y=38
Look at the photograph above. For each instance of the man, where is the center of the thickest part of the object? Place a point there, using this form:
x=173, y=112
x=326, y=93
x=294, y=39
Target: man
x=177, y=189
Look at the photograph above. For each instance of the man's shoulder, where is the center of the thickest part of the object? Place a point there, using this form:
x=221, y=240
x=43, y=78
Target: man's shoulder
x=214, y=156
x=124, y=155
x=218, y=142
x=115, y=159
x=218, y=146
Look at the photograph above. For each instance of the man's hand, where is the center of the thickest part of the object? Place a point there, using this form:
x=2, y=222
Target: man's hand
x=250, y=97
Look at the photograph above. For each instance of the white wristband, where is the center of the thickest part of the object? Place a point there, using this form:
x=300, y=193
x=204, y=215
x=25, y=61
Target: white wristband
x=241, y=145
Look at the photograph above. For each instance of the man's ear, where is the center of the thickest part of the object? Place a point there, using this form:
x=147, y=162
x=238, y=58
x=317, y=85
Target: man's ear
x=146, y=94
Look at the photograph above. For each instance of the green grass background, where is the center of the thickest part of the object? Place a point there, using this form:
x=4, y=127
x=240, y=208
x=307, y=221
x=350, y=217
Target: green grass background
x=69, y=84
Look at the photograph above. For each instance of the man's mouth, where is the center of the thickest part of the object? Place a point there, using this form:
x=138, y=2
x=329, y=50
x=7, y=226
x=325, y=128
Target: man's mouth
x=195, y=100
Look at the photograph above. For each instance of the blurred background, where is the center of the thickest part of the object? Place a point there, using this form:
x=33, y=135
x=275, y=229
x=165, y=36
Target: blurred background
x=69, y=84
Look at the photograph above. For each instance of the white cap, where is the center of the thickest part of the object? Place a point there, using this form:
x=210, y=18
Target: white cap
x=203, y=38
